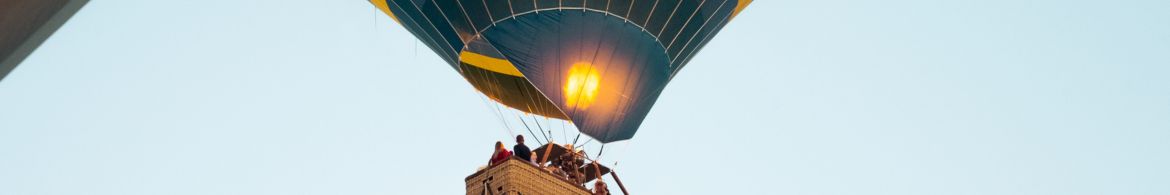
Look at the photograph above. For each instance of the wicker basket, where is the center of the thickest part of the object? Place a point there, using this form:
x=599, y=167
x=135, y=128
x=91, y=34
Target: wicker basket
x=516, y=176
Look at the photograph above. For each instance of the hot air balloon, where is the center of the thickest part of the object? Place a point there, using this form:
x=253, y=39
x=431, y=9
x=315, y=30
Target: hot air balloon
x=600, y=64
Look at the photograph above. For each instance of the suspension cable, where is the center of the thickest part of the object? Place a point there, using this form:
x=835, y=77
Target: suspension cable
x=540, y=128
x=529, y=129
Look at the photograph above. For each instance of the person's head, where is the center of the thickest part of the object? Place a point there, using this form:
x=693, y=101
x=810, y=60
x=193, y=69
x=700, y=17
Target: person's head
x=519, y=139
x=599, y=186
x=499, y=145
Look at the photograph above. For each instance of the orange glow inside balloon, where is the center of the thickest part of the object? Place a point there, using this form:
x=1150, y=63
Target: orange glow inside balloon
x=581, y=85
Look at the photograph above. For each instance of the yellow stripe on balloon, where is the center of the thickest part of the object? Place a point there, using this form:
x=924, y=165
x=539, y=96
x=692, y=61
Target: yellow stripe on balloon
x=738, y=8
x=489, y=63
x=381, y=4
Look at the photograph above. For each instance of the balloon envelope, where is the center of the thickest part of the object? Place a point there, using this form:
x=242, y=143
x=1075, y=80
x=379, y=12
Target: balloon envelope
x=600, y=64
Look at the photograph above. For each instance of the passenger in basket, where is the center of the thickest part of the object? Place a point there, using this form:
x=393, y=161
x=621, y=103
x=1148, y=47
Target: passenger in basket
x=599, y=188
x=500, y=155
x=521, y=150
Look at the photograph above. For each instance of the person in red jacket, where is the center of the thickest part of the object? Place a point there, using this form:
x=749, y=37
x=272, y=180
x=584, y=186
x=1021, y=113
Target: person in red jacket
x=500, y=155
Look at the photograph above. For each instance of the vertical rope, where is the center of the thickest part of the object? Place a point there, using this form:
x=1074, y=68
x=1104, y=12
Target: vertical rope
x=550, y=128
x=529, y=129
x=546, y=137
x=578, y=137
x=497, y=113
x=600, y=151
x=564, y=131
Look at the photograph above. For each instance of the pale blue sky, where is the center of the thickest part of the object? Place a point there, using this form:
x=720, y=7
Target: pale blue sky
x=793, y=97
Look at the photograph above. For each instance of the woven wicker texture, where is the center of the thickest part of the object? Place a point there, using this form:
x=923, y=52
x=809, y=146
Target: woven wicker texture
x=519, y=177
